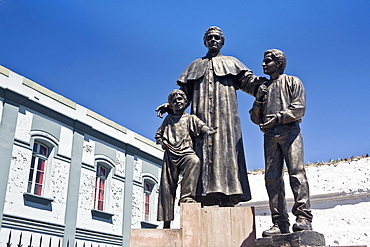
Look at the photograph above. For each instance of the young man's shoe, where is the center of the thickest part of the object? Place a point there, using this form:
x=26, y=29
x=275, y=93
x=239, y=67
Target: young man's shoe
x=275, y=230
x=302, y=225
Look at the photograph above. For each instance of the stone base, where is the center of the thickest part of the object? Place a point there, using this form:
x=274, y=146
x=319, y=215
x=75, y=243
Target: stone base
x=296, y=239
x=227, y=226
x=156, y=237
x=204, y=227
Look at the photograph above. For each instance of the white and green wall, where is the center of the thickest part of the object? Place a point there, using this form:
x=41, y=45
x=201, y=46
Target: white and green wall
x=78, y=139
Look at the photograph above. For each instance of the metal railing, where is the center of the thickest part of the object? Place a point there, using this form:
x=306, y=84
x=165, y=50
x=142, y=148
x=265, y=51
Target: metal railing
x=22, y=242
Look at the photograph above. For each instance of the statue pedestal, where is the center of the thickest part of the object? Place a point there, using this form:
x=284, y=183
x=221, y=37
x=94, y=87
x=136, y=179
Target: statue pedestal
x=208, y=227
x=296, y=239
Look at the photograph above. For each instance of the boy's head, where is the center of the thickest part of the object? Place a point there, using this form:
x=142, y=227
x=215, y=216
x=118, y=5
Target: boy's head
x=274, y=60
x=178, y=101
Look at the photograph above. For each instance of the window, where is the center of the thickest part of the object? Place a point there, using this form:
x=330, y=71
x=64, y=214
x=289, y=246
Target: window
x=44, y=145
x=147, y=192
x=149, y=202
x=100, y=187
x=103, y=176
x=39, y=161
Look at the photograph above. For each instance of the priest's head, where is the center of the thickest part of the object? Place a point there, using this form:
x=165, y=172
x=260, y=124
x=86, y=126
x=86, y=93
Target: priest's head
x=214, y=39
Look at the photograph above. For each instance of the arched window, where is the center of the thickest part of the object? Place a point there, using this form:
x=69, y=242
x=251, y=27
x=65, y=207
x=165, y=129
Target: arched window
x=149, y=203
x=43, y=149
x=103, y=174
x=148, y=187
x=100, y=186
x=36, y=178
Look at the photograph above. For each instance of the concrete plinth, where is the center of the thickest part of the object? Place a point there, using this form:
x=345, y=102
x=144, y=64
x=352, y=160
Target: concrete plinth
x=227, y=226
x=156, y=238
x=296, y=239
x=204, y=227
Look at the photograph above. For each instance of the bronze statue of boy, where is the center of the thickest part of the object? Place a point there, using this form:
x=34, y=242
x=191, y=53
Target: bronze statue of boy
x=278, y=109
x=176, y=135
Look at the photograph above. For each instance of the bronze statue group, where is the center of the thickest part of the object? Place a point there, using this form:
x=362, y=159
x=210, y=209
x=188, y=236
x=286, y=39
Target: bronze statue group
x=206, y=146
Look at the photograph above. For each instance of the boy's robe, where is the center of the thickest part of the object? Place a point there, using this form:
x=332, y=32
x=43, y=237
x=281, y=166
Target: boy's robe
x=176, y=133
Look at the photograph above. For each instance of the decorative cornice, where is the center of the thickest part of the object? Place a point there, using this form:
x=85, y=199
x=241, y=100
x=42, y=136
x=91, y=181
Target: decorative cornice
x=147, y=141
x=49, y=93
x=99, y=237
x=4, y=71
x=106, y=121
x=25, y=224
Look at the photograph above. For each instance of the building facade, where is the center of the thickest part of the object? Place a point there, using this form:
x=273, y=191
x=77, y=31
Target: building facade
x=70, y=176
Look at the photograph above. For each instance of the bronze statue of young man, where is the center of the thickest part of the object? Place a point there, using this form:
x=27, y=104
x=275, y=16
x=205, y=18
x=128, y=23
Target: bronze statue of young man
x=210, y=84
x=278, y=109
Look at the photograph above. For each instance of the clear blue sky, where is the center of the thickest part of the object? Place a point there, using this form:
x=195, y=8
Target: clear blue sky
x=122, y=58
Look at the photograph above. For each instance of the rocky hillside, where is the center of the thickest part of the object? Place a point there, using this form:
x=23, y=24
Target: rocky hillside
x=340, y=198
